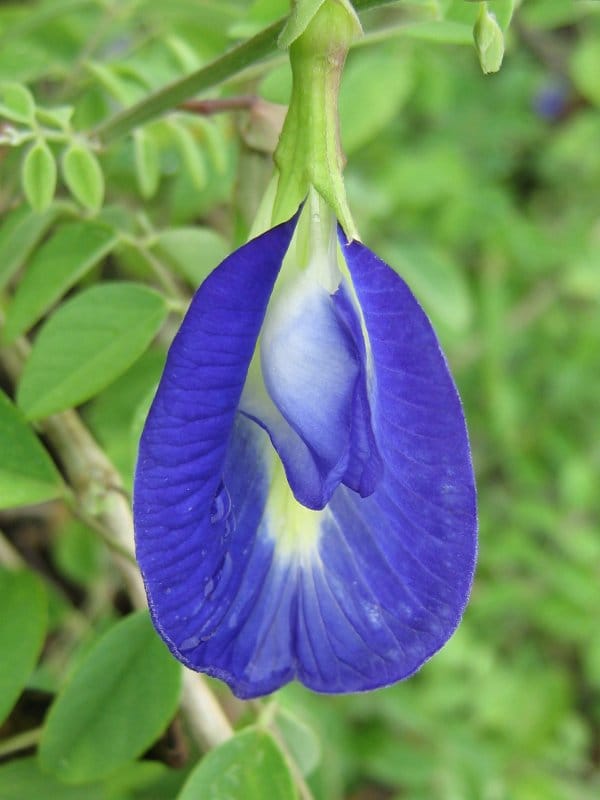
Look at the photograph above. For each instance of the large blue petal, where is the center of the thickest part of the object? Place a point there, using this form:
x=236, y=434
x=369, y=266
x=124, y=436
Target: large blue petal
x=392, y=571
x=184, y=526
x=408, y=550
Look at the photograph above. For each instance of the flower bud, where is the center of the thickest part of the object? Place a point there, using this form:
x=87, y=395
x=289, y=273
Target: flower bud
x=489, y=40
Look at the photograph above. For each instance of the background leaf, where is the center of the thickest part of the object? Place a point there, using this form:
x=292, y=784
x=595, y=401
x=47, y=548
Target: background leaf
x=88, y=343
x=22, y=631
x=584, y=69
x=78, y=553
x=248, y=766
x=63, y=260
x=192, y=158
x=444, y=31
x=118, y=701
x=21, y=231
x=39, y=176
x=17, y=103
x=301, y=740
x=193, y=252
x=83, y=175
x=113, y=416
x=436, y=281
x=147, y=161
x=27, y=473
x=23, y=779
x=369, y=82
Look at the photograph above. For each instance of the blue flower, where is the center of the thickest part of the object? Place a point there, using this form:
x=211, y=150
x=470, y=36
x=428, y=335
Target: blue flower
x=304, y=497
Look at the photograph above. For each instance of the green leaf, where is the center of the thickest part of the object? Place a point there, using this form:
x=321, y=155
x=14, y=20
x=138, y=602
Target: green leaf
x=503, y=11
x=20, y=233
x=86, y=344
x=191, y=155
x=213, y=140
x=18, y=103
x=549, y=14
x=147, y=161
x=143, y=780
x=585, y=66
x=194, y=252
x=107, y=78
x=260, y=14
x=21, y=59
x=118, y=701
x=301, y=740
x=186, y=57
x=437, y=282
x=22, y=630
x=23, y=780
x=276, y=86
x=27, y=473
x=59, y=116
x=250, y=766
x=368, y=82
x=113, y=415
x=39, y=176
x=444, y=31
x=78, y=553
x=62, y=261
x=83, y=176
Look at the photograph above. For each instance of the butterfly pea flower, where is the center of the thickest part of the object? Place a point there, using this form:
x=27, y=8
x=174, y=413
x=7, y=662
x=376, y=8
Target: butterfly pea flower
x=304, y=498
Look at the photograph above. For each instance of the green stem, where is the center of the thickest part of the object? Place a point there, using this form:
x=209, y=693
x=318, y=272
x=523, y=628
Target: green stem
x=226, y=66
x=309, y=152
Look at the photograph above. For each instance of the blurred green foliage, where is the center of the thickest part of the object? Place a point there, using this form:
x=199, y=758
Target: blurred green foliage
x=484, y=193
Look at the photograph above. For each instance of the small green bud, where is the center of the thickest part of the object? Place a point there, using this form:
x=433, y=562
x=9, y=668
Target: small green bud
x=489, y=40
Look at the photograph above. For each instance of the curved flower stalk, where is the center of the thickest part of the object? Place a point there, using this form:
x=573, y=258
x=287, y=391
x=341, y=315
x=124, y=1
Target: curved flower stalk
x=304, y=496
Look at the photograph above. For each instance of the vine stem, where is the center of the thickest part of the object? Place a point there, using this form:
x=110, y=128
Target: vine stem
x=20, y=741
x=231, y=63
x=9, y=555
x=98, y=494
x=216, y=105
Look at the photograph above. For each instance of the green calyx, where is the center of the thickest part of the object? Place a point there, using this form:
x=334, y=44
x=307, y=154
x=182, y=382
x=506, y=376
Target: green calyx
x=309, y=151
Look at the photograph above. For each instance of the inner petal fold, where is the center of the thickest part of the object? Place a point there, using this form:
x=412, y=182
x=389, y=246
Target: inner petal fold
x=312, y=397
